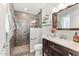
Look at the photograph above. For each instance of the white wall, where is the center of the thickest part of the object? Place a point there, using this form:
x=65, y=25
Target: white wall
x=2, y=29
x=2, y=23
x=47, y=10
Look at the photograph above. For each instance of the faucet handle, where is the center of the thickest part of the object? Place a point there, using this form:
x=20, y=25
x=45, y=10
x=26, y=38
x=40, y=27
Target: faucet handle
x=62, y=36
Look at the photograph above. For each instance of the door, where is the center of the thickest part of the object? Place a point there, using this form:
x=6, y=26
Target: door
x=22, y=36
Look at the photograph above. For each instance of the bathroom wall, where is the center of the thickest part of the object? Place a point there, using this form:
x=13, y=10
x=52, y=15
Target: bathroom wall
x=47, y=10
x=39, y=19
x=23, y=21
x=2, y=23
x=2, y=29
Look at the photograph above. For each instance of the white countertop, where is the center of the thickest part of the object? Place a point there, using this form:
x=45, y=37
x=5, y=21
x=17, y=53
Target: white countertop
x=64, y=42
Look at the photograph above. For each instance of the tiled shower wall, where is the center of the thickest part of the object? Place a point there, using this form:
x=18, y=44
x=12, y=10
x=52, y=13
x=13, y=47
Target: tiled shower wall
x=23, y=27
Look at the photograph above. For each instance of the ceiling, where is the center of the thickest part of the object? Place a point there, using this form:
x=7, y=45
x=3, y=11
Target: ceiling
x=32, y=8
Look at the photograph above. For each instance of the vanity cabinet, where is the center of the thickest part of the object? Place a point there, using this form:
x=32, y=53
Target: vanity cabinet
x=53, y=49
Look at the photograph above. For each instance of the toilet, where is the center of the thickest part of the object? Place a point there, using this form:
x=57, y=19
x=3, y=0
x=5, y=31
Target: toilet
x=38, y=49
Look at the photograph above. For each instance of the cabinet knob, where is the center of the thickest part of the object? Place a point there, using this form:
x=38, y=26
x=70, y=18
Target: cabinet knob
x=53, y=46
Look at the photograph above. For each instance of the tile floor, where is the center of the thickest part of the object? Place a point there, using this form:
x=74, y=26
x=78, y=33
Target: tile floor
x=23, y=50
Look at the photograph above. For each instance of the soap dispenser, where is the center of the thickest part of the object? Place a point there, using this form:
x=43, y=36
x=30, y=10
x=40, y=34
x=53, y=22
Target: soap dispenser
x=76, y=37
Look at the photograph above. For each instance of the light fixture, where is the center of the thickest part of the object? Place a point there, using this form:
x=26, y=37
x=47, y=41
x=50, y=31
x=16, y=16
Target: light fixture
x=33, y=22
x=25, y=9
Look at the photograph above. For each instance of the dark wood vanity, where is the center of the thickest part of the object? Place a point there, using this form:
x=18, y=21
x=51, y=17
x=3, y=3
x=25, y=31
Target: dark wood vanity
x=54, y=49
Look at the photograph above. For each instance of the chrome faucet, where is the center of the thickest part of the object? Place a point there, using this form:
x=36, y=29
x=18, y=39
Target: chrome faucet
x=54, y=34
x=62, y=36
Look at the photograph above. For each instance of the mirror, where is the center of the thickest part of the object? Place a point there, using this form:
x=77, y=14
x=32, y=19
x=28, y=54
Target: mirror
x=68, y=18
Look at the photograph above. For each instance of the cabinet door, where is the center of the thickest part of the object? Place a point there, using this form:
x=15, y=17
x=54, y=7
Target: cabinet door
x=72, y=52
x=50, y=50
x=45, y=47
x=54, y=52
x=58, y=48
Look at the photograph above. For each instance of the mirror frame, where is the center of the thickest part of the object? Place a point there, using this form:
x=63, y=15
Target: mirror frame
x=54, y=20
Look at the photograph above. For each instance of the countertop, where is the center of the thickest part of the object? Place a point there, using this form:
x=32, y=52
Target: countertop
x=69, y=43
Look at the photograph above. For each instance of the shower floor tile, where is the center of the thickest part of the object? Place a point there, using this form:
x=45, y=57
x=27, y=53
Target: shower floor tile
x=23, y=50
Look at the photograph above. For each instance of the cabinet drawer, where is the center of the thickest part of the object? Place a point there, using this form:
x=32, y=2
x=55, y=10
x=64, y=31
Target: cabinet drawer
x=59, y=48
x=72, y=52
